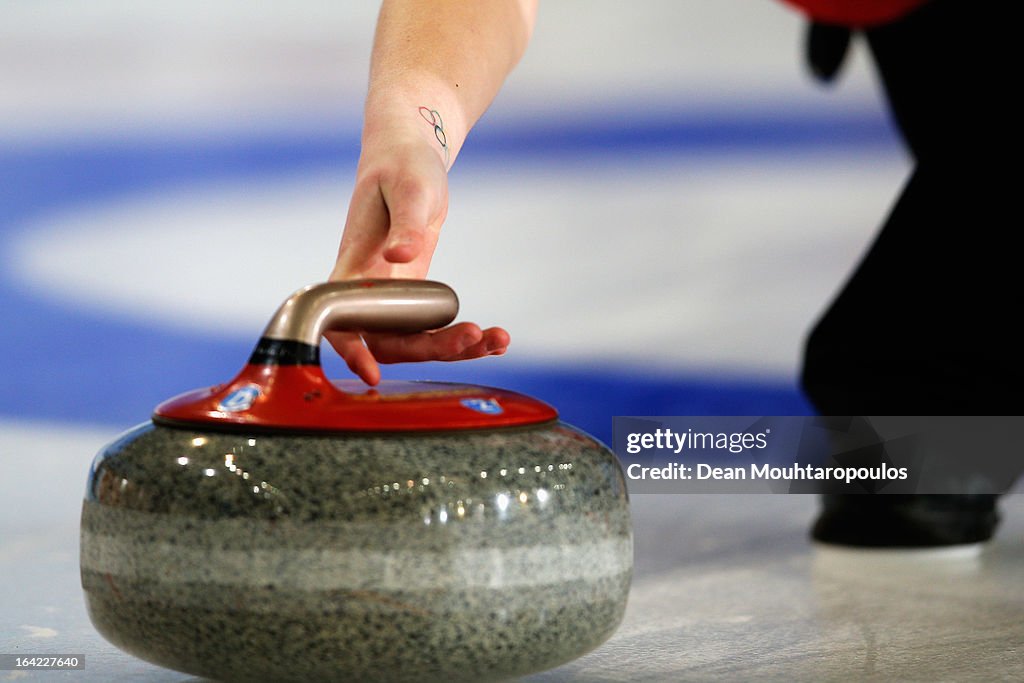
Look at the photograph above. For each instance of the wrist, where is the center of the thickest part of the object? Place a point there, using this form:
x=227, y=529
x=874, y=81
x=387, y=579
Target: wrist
x=399, y=112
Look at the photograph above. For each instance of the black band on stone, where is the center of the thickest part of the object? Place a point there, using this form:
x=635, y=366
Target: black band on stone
x=284, y=352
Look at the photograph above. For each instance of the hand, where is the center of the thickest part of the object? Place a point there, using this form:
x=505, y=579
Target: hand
x=398, y=205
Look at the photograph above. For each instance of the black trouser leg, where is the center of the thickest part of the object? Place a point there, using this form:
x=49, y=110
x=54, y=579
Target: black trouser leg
x=926, y=324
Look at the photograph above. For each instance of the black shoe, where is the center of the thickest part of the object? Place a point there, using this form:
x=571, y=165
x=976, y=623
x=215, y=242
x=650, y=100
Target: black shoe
x=905, y=521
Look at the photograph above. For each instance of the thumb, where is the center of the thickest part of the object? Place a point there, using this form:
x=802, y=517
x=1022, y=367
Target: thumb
x=414, y=207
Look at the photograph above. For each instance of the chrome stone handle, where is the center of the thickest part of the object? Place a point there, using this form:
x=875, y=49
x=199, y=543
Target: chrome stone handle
x=374, y=305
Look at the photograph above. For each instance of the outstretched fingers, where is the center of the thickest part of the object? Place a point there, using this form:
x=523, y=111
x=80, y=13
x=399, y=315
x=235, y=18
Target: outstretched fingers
x=462, y=341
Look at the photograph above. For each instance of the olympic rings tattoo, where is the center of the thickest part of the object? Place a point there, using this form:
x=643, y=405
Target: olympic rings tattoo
x=432, y=117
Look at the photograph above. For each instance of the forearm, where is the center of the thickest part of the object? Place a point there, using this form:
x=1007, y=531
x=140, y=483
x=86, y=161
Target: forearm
x=449, y=57
x=436, y=66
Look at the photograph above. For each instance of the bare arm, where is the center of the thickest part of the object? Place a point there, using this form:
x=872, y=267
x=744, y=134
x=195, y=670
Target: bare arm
x=436, y=67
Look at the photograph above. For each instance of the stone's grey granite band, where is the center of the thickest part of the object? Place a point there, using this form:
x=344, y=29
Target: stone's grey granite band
x=329, y=569
x=265, y=600
x=518, y=525
x=476, y=635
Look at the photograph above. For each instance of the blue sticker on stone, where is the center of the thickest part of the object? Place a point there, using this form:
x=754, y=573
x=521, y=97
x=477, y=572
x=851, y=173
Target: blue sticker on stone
x=240, y=399
x=487, y=406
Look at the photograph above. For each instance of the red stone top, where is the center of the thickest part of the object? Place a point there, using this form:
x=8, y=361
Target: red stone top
x=299, y=398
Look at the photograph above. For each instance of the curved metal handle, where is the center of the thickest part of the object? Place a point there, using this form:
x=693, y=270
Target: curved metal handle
x=363, y=306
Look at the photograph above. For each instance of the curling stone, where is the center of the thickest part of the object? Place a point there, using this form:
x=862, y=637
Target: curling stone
x=283, y=526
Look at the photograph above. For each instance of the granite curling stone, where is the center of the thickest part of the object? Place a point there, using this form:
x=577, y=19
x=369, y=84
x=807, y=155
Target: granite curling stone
x=284, y=527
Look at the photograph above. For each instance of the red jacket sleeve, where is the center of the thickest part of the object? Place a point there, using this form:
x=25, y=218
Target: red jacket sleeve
x=856, y=13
